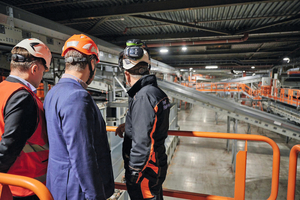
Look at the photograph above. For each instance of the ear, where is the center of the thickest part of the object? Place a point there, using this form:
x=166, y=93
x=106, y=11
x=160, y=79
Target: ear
x=128, y=77
x=34, y=68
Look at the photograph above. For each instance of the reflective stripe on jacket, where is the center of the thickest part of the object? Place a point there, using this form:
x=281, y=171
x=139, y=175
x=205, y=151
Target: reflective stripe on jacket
x=33, y=159
x=146, y=128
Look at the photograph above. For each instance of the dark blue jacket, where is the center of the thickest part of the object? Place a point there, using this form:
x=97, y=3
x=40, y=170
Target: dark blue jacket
x=79, y=160
x=146, y=128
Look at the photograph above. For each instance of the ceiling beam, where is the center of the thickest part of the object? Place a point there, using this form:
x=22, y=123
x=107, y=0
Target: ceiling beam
x=96, y=25
x=228, y=66
x=143, y=8
x=273, y=33
x=177, y=36
x=242, y=19
x=182, y=24
x=218, y=52
x=284, y=44
x=221, y=62
x=296, y=17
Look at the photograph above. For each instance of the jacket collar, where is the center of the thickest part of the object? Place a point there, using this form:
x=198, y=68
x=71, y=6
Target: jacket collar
x=82, y=83
x=142, y=82
x=16, y=79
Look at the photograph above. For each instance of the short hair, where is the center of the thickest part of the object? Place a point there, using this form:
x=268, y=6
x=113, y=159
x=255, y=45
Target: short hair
x=23, y=66
x=77, y=66
x=140, y=69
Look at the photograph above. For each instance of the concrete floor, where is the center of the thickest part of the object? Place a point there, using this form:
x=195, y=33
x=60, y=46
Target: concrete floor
x=203, y=165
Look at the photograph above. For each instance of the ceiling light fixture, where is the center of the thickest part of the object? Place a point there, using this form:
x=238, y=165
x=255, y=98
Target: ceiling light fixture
x=287, y=59
x=183, y=48
x=211, y=67
x=163, y=50
x=253, y=67
x=117, y=19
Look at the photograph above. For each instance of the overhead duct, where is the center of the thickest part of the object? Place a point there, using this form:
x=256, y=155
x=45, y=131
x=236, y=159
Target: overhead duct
x=5, y=48
x=170, y=44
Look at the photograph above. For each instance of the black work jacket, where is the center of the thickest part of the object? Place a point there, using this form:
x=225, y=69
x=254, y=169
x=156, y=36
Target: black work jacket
x=147, y=124
x=20, y=117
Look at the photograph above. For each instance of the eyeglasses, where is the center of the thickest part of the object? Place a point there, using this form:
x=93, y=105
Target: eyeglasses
x=44, y=64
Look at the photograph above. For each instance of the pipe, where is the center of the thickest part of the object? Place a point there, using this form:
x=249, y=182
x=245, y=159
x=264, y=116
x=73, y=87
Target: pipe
x=120, y=83
x=243, y=39
x=29, y=183
x=5, y=48
x=292, y=172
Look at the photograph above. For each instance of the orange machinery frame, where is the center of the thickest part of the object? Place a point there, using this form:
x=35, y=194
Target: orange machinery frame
x=285, y=95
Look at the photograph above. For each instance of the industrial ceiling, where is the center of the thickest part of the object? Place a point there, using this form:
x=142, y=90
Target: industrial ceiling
x=233, y=34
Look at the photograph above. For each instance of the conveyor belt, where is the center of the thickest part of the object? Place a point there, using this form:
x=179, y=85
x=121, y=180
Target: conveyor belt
x=246, y=79
x=232, y=109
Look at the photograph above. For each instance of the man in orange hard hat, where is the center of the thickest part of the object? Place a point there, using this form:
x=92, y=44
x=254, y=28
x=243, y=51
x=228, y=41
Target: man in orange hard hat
x=79, y=160
x=24, y=144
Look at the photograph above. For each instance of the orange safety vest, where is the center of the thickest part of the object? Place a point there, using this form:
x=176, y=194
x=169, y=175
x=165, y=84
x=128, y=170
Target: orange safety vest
x=33, y=159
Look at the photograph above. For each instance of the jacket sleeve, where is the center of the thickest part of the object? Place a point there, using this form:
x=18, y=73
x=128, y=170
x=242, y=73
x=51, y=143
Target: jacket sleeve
x=20, y=118
x=143, y=126
x=78, y=124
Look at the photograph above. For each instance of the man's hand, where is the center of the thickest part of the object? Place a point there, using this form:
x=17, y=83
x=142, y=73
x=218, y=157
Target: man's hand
x=120, y=130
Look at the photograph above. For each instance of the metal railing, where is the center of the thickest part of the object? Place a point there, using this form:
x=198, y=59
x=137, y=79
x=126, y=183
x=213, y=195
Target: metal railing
x=240, y=174
x=21, y=181
x=292, y=172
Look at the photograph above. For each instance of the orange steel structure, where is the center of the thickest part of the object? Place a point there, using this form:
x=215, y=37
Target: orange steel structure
x=34, y=185
x=240, y=175
x=285, y=95
x=292, y=172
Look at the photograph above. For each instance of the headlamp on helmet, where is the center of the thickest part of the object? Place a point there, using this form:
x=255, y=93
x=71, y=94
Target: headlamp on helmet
x=133, y=54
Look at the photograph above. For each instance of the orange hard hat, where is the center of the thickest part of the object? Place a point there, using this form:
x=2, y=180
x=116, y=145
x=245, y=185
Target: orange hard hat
x=83, y=44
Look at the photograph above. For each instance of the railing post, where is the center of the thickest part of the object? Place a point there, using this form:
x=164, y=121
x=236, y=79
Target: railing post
x=228, y=131
x=292, y=172
x=234, y=146
x=248, y=128
x=240, y=174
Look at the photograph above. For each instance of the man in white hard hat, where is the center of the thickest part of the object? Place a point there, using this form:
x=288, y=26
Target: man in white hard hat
x=146, y=127
x=24, y=144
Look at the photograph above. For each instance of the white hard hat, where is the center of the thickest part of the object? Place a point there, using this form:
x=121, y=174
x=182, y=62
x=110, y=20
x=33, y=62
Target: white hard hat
x=129, y=62
x=36, y=48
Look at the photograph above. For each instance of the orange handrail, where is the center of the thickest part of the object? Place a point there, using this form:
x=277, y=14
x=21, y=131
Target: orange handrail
x=247, y=137
x=181, y=194
x=29, y=183
x=292, y=172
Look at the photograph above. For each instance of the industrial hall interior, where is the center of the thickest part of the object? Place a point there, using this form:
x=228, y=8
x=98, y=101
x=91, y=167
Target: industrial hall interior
x=230, y=69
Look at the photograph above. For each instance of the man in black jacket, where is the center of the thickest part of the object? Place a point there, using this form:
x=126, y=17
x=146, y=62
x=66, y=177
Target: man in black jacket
x=146, y=127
